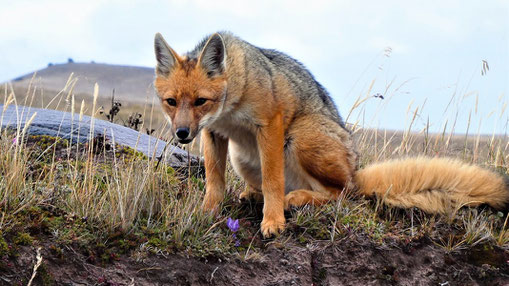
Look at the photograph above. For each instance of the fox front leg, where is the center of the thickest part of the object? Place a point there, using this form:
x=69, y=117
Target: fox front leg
x=215, y=148
x=270, y=140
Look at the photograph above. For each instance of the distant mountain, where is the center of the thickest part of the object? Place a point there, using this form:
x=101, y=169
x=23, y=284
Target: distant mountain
x=131, y=83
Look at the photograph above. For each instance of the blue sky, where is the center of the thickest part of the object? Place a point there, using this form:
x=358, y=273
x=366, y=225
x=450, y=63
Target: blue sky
x=419, y=54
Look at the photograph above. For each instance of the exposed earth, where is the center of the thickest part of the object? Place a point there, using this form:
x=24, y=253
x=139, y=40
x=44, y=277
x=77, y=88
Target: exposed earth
x=348, y=262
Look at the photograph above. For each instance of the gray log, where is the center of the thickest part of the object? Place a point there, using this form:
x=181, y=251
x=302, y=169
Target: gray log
x=62, y=124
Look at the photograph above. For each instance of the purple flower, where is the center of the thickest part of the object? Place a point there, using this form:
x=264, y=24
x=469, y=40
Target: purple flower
x=14, y=140
x=232, y=224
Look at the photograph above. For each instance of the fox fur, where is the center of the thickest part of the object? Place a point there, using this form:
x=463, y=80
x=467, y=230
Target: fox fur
x=285, y=137
x=435, y=185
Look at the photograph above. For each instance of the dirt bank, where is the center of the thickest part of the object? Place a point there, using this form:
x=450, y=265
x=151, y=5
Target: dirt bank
x=341, y=263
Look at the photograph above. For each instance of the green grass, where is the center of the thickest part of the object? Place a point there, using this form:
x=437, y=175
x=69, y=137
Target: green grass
x=118, y=202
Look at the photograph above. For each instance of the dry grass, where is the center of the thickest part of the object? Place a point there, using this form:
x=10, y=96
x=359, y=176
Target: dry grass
x=97, y=196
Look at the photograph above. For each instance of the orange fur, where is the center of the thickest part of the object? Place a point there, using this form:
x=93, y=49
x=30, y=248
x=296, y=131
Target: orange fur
x=214, y=150
x=435, y=185
x=270, y=144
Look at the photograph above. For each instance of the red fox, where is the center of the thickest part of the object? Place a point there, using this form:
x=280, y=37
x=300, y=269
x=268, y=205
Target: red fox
x=285, y=138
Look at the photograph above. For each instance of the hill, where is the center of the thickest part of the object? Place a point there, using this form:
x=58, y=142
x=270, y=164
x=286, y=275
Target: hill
x=133, y=89
x=131, y=83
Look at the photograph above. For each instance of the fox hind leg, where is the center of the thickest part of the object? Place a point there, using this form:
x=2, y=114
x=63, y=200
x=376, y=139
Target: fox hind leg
x=324, y=151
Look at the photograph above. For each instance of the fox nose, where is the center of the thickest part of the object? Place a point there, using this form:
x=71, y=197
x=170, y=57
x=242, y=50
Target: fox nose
x=182, y=133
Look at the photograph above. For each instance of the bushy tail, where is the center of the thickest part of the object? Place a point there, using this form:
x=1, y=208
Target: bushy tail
x=435, y=185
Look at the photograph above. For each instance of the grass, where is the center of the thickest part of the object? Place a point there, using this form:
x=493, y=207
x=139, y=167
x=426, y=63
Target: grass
x=109, y=203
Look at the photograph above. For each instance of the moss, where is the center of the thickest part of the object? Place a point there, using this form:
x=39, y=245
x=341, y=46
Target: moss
x=156, y=242
x=105, y=257
x=57, y=251
x=129, y=154
x=4, y=247
x=485, y=254
x=34, y=211
x=47, y=143
x=54, y=222
x=23, y=238
x=123, y=245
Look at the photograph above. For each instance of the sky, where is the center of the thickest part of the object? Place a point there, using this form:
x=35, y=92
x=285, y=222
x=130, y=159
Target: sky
x=419, y=55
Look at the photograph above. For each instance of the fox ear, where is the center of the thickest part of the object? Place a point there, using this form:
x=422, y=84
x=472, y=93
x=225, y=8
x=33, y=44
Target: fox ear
x=166, y=57
x=213, y=56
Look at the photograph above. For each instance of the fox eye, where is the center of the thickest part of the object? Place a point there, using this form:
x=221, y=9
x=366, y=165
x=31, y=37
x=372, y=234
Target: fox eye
x=171, y=102
x=200, y=101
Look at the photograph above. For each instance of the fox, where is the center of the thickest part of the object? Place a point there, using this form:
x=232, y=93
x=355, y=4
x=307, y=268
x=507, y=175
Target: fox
x=286, y=139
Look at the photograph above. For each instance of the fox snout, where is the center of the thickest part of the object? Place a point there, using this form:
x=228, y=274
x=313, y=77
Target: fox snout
x=183, y=119
x=182, y=134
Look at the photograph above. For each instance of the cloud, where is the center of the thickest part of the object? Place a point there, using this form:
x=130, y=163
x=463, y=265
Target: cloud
x=41, y=31
x=44, y=19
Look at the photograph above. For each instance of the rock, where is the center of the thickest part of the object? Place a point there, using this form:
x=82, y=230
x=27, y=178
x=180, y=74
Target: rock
x=63, y=124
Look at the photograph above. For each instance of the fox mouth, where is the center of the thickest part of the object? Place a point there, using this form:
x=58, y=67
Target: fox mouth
x=184, y=141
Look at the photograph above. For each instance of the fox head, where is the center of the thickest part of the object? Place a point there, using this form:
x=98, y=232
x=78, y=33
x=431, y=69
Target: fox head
x=191, y=89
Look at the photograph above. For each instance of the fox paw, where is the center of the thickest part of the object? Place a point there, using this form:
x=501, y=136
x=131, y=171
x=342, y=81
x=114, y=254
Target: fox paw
x=293, y=200
x=210, y=206
x=249, y=194
x=272, y=227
